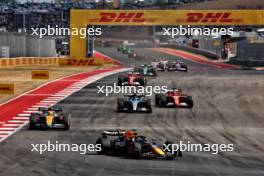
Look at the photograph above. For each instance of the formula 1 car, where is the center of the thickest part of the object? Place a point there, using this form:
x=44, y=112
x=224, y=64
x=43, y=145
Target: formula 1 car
x=174, y=98
x=162, y=65
x=122, y=47
x=130, y=144
x=52, y=117
x=177, y=66
x=131, y=79
x=146, y=70
x=134, y=103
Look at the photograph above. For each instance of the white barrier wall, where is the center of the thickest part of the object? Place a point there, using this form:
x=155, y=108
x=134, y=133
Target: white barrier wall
x=22, y=45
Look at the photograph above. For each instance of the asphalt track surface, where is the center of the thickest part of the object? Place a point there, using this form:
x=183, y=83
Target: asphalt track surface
x=228, y=108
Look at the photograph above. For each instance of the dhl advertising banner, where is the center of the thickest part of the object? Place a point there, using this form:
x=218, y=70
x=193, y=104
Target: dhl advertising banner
x=83, y=18
x=81, y=62
x=40, y=74
x=167, y=17
x=7, y=88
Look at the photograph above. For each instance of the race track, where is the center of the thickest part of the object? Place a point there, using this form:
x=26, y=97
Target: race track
x=228, y=108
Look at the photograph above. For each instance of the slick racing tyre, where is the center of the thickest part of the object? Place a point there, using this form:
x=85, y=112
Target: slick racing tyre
x=67, y=122
x=143, y=81
x=120, y=80
x=105, y=145
x=189, y=101
x=148, y=106
x=120, y=104
x=134, y=150
x=160, y=100
x=32, y=122
x=157, y=97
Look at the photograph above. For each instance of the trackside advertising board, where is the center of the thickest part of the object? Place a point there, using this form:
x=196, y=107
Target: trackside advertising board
x=83, y=18
x=7, y=88
x=40, y=74
x=167, y=17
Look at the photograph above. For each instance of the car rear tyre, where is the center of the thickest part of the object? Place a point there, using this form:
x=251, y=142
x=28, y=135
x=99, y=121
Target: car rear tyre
x=105, y=145
x=134, y=150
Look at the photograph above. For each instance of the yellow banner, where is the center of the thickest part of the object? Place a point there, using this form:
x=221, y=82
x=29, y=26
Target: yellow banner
x=81, y=62
x=40, y=74
x=167, y=17
x=7, y=88
x=83, y=18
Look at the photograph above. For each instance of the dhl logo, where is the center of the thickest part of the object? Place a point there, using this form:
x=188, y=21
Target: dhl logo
x=221, y=17
x=40, y=74
x=126, y=17
x=80, y=62
x=7, y=89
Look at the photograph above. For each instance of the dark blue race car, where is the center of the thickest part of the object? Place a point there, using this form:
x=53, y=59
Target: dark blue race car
x=134, y=103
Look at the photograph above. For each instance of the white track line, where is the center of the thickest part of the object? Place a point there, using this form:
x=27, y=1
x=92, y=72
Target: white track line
x=10, y=125
x=48, y=101
x=24, y=115
x=32, y=109
x=7, y=128
x=16, y=121
x=21, y=118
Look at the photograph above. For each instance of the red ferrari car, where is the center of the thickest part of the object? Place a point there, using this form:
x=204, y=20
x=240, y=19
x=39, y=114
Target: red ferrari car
x=131, y=79
x=174, y=98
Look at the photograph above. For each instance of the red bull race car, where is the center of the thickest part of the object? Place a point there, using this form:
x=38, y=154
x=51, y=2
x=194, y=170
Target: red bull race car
x=173, y=98
x=130, y=144
x=132, y=79
x=52, y=117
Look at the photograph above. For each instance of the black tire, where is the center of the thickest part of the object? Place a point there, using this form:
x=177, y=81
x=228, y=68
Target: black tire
x=32, y=122
x=134, y=150
x=162, y=100
x=120, y=80
x=143, y=81
x=67, y=121
x=157, y=97
x=189, y=101
x=105, y=145
x=120, y=104
x=148, y=105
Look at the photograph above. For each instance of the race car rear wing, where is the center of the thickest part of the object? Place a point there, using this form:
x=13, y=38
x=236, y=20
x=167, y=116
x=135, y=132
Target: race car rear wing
x=135, y=94
x=54, y=108
x=113, y=133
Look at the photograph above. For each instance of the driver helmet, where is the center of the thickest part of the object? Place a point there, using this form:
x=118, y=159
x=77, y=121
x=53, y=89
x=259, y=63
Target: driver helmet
x=130, y=135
